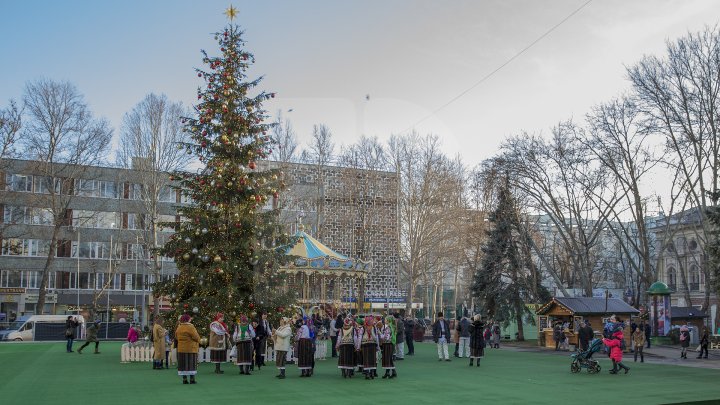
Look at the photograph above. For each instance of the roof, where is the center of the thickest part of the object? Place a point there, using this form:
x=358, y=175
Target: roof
x=659, y=288
x=687, y=312
x=310, y=253
x=589, y=305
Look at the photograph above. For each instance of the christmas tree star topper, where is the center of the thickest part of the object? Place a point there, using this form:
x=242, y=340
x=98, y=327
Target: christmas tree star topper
x=231, y=12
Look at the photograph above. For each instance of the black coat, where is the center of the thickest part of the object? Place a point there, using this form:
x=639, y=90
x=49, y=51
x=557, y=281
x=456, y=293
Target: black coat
x=586, y=334
x=400, y=327
x=437, y=330
x=477, y=341
x=70, y=326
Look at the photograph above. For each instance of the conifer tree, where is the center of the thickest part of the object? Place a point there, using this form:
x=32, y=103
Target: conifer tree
x=228, y=245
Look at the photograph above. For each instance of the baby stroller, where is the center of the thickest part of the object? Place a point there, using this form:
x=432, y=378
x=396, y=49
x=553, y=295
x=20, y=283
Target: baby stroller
x=584, y=359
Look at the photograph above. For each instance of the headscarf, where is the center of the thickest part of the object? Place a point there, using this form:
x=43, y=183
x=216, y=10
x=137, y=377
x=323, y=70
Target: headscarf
x=369, y=323
x=185, y=318
x=390, y=322
x=218, y=316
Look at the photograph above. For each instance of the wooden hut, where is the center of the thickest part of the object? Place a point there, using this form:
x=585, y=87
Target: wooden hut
x=688, y=316
x=574, y=310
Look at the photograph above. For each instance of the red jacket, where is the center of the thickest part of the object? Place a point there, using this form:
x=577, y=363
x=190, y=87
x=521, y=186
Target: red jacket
x=615, y=346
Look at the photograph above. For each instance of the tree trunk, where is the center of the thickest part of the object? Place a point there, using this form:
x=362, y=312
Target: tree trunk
x=519, y=320
x=40, y=306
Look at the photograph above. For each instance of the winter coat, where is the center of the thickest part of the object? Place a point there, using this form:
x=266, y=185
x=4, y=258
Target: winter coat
x=70, y=326
x=92, y=332
x=615, y=343
x=282, y=338
x=638, y=338
x=464, y=328
x=400, y=332
x=684, y=342
x=438, y=330
x=477, y=341
x=132, y=335
x=187, y=337
x=158, y=333
x=586, y=334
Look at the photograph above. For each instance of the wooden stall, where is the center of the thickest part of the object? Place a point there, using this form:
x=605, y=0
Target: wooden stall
x=572, y=311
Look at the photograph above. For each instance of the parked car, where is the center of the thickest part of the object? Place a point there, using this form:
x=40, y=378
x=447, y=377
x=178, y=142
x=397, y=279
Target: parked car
x=22, y=328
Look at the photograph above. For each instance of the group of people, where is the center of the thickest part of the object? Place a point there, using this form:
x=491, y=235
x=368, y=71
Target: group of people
x=91, y=334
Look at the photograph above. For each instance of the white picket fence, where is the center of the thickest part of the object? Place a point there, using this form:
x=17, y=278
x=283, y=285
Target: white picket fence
x=142, y=352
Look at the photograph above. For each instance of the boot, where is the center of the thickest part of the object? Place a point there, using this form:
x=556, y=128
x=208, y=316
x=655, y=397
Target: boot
x=636, y=353
x=192, y=380
x=642, y=358
x=247, y=370
x=471, y=362
x=614, y=369
x=367, y=375
x=387, y=374
x=96, y=351
x=185, y=381
x=624, y=367
x=478, y=363
x=393, y=374
x=242, y=369
x=217, y=369
x=282, y=374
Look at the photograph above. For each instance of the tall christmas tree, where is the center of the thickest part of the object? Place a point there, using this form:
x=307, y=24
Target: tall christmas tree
x=227, y=247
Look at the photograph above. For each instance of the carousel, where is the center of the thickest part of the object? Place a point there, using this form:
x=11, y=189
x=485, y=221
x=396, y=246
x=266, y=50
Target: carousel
x=323, y=278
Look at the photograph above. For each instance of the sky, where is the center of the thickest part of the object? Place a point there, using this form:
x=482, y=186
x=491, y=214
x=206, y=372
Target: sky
x=324, y=58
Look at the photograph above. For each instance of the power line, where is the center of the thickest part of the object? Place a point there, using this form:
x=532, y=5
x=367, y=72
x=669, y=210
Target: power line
x=507, y=62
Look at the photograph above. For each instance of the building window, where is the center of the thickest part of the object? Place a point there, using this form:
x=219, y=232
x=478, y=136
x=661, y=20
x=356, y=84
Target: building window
x=693, y=245
x=107, y=189
x=86, y=188
x=694, y=278
x=18, y=182
x=31, y=280
x=12, y=247
x=167, y=194
x=672, y=278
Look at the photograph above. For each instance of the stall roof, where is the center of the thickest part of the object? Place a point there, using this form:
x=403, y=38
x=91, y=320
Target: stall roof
x=686, y=312
x=589, y=305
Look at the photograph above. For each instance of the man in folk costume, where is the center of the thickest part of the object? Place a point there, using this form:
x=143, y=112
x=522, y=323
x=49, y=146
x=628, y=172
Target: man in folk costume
x=158, y=333
x=281, y=338
x=305, y=353
x=369, y=347
x=477, y=341
x=388, y=339
x=243, y=336
x=218, y=337
x=347, y=345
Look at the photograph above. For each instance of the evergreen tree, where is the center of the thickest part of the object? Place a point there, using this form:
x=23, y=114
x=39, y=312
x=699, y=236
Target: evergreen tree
x=227, y=247
x=507, y=279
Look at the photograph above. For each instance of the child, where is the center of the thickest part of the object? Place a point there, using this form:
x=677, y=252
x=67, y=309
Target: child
x=615, y=345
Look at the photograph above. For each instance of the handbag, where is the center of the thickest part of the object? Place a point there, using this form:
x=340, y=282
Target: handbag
x=69, y=332
x=698, y=348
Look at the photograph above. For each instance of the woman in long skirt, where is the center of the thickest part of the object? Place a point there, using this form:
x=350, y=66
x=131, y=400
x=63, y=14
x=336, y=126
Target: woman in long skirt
x=243, y=336
x=188, y=343
x=305, y=350
x=369, y=348
x=359, y=330
x=346, y=347
x=218, y=336
x=477, y=341
x=387, y=345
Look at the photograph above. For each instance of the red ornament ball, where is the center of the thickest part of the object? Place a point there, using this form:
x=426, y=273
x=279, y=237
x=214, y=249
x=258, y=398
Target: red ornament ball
x=252, y=165
x=199, y=75
x=251, y=305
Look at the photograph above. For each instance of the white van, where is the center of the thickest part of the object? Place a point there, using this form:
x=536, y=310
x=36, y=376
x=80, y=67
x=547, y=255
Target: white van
x=22, y=328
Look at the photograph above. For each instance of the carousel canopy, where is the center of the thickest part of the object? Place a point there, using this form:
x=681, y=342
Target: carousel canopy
x=311, y=253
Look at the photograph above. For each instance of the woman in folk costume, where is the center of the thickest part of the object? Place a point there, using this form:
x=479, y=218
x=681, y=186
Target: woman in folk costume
x=387, y=345
x=359, y=330
x=477, y=341
x=158, y=333
x=369, y=347
x=281, y=344
x=218, y=336
x=188, y=344
x=243, y=336
x=304, y=340
x=346, y=346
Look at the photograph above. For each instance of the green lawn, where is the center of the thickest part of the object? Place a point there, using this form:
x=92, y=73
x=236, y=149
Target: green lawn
x=42, y=373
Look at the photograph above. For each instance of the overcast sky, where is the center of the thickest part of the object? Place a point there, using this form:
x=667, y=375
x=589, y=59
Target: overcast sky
x=324, y=57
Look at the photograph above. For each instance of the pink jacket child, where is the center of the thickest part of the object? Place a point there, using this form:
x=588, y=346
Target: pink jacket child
x=616, y=353
x=132, y=336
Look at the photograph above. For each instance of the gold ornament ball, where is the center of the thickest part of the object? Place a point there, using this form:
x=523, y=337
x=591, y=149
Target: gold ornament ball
x=186, y=256
x=217, y=259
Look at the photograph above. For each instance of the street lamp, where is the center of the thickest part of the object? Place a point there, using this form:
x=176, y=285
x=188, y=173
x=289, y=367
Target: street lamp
x=110, y=280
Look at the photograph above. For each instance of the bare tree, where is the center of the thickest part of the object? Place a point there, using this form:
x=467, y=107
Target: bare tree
x=287, y=144
x=319, y=155
x=64, y=139
x=10, y=125
x=681, y=94
x=149, y=139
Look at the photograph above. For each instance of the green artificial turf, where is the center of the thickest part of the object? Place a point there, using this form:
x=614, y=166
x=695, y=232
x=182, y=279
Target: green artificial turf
x=42, y=373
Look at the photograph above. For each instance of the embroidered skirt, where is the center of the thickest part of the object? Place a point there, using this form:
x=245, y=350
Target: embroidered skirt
x=388, y=349
x=346, y=357
x=187, y=363
x=305, y=354
x=218, y=356
x=477, y=352
x=280, y=358
x=369, y=356
x=244, y=353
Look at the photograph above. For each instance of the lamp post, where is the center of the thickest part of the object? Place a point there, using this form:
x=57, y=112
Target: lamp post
x=110, y=281
x=77, y=251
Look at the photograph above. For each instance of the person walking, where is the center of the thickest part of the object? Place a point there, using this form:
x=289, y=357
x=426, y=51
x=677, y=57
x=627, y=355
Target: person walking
x=585, y=335
x=616, y=353
x=70, y=325
x=684, y=341
x=558, y=335
x=496, y=335
x=281, y=338
x=409, y=335
x=188, y=344
x=92, y=336
x=647, y=334
x=158, y=339
x=464, y=337
x=477, y=341
x=704, y=342
x=638, y=338
x=388, y=338
x=441, y=335
x=399, y=337
x=243, y=338
x=217, y=343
